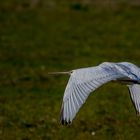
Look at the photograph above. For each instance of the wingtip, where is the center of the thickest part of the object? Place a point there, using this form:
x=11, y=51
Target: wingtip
x=63, y=121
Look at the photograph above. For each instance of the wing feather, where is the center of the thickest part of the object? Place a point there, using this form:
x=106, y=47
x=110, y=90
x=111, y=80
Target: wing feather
x=66, y=112
x=69, y=110
x=79, y=93
x=75, y=100
x=135, y=96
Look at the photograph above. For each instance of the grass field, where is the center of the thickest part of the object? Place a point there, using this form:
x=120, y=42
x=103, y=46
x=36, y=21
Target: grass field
x=59, y=36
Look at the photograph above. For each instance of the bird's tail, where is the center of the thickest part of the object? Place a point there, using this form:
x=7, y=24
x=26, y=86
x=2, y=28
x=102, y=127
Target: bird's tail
x=58, y=73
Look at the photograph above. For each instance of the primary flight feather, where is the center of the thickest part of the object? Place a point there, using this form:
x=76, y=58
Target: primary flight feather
x=85, y=80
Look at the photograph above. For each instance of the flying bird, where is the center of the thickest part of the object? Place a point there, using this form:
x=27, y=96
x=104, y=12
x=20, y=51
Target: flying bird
x=83, y=81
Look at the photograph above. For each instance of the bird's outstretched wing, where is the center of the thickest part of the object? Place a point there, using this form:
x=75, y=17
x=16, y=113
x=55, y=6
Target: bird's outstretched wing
x=135, y=96
x=81, y=83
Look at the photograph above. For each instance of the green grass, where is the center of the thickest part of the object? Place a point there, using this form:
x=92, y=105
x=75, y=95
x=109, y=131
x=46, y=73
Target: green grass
x=59, y=36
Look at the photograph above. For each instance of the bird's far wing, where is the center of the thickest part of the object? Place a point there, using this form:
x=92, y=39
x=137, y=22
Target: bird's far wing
x=135, y=96
x=81, y=83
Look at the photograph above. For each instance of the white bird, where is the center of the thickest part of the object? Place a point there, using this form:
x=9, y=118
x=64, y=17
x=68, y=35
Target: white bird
x=85, y=80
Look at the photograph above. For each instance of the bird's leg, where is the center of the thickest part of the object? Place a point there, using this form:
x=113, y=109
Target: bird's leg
x=58, y=73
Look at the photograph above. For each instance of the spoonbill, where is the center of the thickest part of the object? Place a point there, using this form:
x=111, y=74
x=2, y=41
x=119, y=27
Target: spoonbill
x=83, y=81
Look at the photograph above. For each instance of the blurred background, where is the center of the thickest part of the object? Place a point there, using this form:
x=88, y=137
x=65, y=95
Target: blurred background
x=39, y=36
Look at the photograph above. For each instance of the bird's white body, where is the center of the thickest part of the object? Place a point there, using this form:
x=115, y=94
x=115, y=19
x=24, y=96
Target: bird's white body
x=85, y=80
